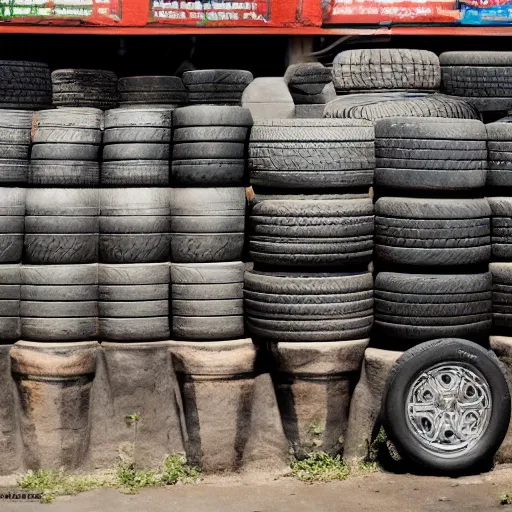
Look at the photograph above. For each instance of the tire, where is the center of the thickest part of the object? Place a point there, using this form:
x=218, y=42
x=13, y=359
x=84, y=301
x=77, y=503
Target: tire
x=137, y=294
x=134, y=225
x=208, y=150
x=65, y=152
x=59, y=303
x=499, y=136
x=206, y=247
x=217, y=76
x=64, y=173
x=149, y=117
x=61, y=226
x=416, y=302
x=10, y=280
x=501, y=294
x=380, y=105
x=501, y=208
x=12, y=210
x=292, y=306
x=25, y=85
x=13, y=172
x=208, y=201
x=386, y=69
x=140, y=134
x=463, y=72
x=85, y=88
x=302, y=153
x=71, y=120
x=208, y=173
x=150, y=84
x=485, y=373
x=307, y=73
x=211, y=115
x=207, y=300
x=138, y=173
x=210, y=134
x=449, y=247
x=136, y=151
x=349, y=242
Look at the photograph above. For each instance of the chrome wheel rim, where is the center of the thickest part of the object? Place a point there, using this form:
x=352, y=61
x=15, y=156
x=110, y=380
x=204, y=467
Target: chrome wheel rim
x=448, y=408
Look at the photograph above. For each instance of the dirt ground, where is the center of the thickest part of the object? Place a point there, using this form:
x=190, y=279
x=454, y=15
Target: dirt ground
x=382, y=492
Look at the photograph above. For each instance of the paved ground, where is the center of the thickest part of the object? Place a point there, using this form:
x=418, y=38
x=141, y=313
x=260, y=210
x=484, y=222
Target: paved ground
x=382, y=492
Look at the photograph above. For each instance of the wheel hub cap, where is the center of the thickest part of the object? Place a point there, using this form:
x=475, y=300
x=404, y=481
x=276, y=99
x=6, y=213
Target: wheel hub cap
x=449, y=408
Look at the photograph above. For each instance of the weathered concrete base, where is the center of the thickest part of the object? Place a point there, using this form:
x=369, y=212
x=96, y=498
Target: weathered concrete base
x=314, y=383
x=268, y=98
x=366, y=403
x=315, y=111
x=226, y=406
x=135, y=378
x=502, y=346
x=53, y=382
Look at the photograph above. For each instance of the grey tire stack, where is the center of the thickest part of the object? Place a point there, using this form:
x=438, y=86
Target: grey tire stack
x=463, y=74
x=136, y=147
x=499, y=143
x=134, y=302
x=10, y=287
x=216, y=86
x=167, y=91
x=85, y=88
x=378, y=83
x=65, y=150
x=59, y=303
x=432, y=247
x=208, y=221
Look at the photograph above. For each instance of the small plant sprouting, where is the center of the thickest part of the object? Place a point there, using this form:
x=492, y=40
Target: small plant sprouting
x=320, y=467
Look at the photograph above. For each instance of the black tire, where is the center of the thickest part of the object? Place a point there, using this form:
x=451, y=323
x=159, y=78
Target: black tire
x=501, y=294
x=380, y=105
x=216, y=201
x=150, y=84
x=217, y=76
x=85, y=88
x=206, y=247
x=463, y=72
x=499, y=136
x=348, y=242
x=64, y=173
x=208, y=328
x=414, y=246
x=140, y=134
x=24, y=85
x=306, y=73
x=386, y=69
x=208, y=150
x=501, y=239
x=210, y=134
x=10, y=280
x=134, y=329
x=300, y=153
x=407, y=437
x=211, y=115
x=292, y=306
x=406, y=303
x=12, y=220
x=208, y=173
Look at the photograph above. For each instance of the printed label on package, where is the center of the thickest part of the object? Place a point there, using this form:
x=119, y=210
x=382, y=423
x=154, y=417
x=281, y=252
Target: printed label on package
x=206, y=12
x=87, y=10
x=399, y=11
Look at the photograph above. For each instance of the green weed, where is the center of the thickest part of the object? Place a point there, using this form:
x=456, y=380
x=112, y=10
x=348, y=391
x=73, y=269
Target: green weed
x=320, y=467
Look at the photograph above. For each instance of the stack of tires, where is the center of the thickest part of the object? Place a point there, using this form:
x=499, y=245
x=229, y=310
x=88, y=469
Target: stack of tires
x=167, y=91
x=136, y=147
x=499, y=181
x=66, y=144
x=15, y=128
x=311, y=231
x=463, y=74
x=208, y=221
x=432, y=232
x=378, y=83
x=85, y=88
x=216, y=86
